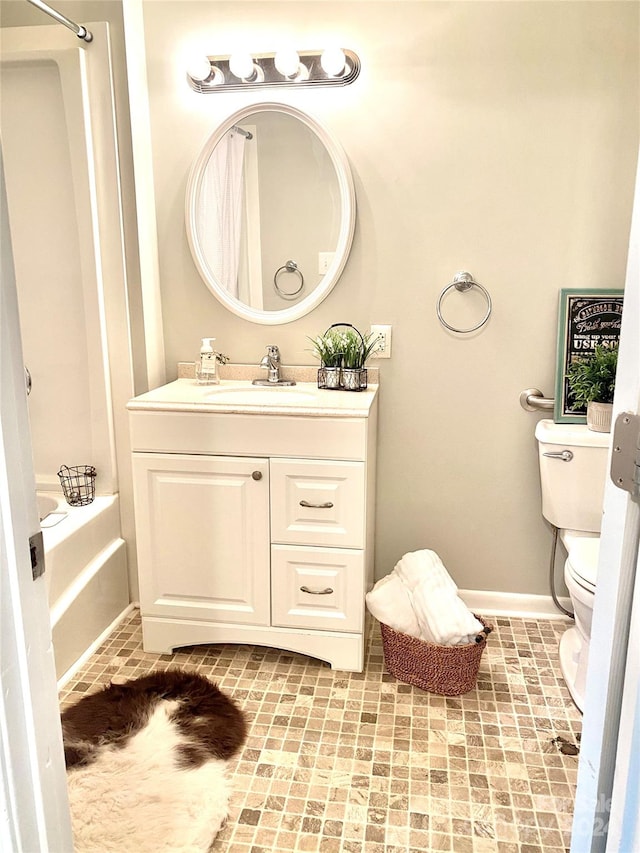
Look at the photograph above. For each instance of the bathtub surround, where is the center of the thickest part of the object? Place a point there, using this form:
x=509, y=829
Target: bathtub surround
x=86, y=576
x=114, y=327
x=69, y=193
x=146, y=763
x=74, y=316
x=364, y=764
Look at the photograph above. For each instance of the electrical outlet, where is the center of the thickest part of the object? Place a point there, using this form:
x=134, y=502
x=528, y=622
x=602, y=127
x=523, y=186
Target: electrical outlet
x=384, y=341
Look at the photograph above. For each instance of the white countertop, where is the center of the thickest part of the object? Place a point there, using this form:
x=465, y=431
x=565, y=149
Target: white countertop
x=237, y=396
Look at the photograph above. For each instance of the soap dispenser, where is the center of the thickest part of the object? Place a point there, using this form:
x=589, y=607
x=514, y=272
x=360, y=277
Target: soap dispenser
x=207, y=366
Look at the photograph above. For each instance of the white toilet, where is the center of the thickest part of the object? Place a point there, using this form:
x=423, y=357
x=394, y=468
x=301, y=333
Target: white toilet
x=573, y=468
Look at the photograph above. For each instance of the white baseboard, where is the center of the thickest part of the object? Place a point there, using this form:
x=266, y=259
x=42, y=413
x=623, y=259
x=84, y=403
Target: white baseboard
x=70, y=673
x=491, y=603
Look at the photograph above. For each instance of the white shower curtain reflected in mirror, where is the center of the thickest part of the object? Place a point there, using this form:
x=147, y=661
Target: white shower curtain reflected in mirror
x=221, y=210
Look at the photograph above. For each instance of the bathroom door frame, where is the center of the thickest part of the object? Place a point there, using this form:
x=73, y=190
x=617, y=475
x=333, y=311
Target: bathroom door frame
x=607, y=805
x=33, y=788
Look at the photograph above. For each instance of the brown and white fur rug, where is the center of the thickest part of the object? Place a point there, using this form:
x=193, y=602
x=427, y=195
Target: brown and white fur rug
x=146, y=764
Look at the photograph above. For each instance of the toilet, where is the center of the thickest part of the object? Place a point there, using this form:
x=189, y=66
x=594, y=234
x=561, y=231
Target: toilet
x=573, y=468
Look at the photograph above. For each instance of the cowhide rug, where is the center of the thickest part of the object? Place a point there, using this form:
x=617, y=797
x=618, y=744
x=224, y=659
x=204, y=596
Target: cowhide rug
x=146, y=764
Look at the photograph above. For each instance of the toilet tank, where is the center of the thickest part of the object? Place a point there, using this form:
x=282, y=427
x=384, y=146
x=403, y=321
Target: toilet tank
x=572, y=491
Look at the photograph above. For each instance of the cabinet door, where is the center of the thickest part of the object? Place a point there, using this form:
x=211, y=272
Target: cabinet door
x=317, y=588
x=203, y=537
x=317, y=502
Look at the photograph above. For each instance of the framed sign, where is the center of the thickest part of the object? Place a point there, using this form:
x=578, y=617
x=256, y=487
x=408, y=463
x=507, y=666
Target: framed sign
x=586, y=319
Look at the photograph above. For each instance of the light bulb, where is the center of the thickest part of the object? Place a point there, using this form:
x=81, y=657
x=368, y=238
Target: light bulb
x=242, y=66
x=199, y=67
x=287, y=62
x=333, y=61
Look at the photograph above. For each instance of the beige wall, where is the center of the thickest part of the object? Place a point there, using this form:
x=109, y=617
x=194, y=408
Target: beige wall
x=500, y=138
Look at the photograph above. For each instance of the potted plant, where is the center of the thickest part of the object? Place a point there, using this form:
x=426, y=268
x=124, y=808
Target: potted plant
x=592, y=382
x=329, y=349
x=357, y=349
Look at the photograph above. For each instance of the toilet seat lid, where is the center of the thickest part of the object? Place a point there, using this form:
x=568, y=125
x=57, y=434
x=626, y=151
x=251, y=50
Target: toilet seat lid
x=583, y=560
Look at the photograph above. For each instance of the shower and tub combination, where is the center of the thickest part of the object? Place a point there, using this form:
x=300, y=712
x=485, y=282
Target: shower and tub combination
x=86, y=569
x=66, y=231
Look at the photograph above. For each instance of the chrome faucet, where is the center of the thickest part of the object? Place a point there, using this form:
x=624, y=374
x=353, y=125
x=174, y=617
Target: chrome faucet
x=272, y=362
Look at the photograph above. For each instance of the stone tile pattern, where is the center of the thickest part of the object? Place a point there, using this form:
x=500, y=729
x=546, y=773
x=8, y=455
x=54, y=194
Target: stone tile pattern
x=360, y=762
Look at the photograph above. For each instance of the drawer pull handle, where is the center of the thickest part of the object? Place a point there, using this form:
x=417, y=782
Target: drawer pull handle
x=326, y=505
x=257, y=475
x=327, y=591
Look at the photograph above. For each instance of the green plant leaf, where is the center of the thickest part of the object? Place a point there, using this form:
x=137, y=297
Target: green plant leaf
x=592, y=379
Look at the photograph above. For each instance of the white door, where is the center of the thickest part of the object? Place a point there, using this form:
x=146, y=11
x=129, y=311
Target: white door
x=607, y=807
x=33, y=794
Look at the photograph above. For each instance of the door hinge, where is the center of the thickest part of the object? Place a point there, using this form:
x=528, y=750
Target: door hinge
x=36, y=546
x=625, y=454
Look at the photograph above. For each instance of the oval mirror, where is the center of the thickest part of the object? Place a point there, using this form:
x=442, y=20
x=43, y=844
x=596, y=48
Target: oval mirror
x=270, y=213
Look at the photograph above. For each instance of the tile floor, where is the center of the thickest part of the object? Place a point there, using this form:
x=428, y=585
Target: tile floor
x=362, y=763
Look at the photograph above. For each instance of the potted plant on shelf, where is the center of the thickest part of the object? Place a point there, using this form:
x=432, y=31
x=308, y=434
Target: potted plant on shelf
x=357, y=349
x=592, y=382
x=329, y=348
x=343, y=352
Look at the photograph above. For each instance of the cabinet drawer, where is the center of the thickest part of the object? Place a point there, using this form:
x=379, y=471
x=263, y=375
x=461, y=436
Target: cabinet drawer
x=259, y=435
x=317, y=502
x=317, y=588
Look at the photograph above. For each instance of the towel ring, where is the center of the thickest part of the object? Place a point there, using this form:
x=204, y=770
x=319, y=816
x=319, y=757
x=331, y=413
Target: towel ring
x=463, y=281
x=290, y=266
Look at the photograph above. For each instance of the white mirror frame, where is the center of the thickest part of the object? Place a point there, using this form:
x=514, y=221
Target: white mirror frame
x=347, y=218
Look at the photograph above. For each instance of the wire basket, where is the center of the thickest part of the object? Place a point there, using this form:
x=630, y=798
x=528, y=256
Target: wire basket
x=343, y=378
x=446, y=670
x=78, y=484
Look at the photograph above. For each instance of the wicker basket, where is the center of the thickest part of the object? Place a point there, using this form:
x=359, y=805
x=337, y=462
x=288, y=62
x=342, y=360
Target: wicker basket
x=447, y=670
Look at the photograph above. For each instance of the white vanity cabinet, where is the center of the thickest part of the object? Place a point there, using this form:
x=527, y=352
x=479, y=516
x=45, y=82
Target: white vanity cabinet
x=255, y=524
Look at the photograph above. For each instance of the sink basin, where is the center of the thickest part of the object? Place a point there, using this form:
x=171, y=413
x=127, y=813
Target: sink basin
x=260, y=395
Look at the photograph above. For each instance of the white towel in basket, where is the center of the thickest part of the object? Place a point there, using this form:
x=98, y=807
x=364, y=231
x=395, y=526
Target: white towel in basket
x=424, y=566
x=420, y=598
x=389, y=602
x=443, y=615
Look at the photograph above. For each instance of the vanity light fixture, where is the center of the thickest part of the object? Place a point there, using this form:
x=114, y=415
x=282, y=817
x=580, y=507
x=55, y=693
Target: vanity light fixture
x=287, y=62
x=242, y=66
x=333, y=61
x=202, y=71
x=287, y=67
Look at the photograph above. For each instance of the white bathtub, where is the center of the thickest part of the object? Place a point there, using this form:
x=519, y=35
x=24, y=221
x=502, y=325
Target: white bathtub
x=86, y=575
